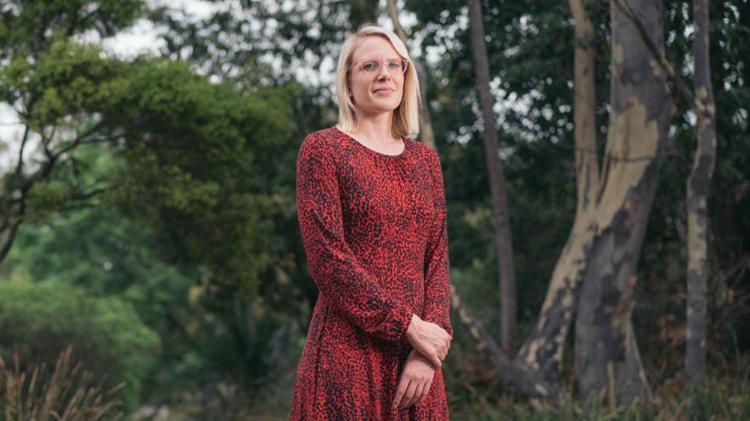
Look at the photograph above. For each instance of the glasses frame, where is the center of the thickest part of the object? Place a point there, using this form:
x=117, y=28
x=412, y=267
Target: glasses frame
x=358, y=65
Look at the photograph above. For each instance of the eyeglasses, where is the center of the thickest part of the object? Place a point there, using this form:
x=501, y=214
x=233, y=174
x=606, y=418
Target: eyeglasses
x=372, y=66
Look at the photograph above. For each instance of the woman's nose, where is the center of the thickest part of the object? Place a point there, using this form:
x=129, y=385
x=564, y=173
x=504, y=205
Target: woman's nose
x=384, y=73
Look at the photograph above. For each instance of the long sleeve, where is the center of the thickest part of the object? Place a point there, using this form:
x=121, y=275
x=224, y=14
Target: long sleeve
x=437, y=268
x=335, y=269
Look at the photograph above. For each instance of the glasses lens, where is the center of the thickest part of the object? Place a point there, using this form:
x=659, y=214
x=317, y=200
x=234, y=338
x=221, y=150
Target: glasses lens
x=370, y=66
x=392, y=65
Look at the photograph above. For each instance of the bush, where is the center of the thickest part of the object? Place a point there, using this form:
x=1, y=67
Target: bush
x=39, y=321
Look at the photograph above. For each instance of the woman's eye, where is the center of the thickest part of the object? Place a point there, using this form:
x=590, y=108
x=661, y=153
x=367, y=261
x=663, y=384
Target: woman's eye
x=394, y=65
x=370, y=66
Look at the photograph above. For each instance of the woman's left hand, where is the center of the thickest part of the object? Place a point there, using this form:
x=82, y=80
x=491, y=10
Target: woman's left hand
x=415, y=381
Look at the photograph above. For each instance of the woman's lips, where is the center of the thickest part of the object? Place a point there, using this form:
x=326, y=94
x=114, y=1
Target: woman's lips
x=384, y=90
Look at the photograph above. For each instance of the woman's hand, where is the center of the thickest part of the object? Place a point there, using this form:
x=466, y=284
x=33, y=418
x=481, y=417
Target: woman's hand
x=415, y=381
x=429, y=339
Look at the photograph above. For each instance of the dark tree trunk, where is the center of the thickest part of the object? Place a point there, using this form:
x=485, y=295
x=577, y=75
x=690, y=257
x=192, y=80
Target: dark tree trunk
x=500, y=217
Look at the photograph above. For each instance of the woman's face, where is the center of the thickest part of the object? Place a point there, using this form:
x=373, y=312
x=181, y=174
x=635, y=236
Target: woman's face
x=381, y=90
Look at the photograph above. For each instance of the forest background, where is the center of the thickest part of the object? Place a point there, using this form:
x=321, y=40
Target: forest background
x=149, y=219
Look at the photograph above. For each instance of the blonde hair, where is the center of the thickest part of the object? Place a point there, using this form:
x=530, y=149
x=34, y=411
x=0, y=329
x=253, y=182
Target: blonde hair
x=406, y=115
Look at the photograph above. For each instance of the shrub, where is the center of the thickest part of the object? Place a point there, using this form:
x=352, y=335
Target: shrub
x=39, y=321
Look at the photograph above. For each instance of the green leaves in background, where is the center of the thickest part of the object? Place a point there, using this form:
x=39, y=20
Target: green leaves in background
x=108, y=337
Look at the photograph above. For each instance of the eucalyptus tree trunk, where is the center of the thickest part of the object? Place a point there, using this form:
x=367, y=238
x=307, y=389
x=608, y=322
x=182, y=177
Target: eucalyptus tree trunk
x=596, y=271
x=697, y=192
x=537, y=367
x=426, y=133
x=543, y=350
x=498, y=190
x=607, y=358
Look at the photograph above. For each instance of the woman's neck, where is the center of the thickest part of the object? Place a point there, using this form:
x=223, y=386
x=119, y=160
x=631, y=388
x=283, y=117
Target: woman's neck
x=376, y=128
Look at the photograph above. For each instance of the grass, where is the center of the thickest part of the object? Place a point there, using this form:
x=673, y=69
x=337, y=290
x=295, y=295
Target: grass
x=64, y=393
x=720, y=399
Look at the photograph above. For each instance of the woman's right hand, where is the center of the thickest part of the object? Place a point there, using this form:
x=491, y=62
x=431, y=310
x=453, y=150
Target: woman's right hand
x=429, y=339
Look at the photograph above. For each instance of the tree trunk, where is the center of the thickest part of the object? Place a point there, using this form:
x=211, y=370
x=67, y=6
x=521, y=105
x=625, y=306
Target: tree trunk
x=584, y=105
x=612, y=212
x=697, y=192
x=427, y=134
x=543, y=349
x=500, y=217
x=607, y=359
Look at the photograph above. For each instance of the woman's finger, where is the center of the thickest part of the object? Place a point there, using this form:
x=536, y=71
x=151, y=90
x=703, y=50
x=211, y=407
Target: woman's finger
x=418, y=394
x=434, y=359
x=426, y=391
x=417, y=390
x=408, y=395
x=400, y=392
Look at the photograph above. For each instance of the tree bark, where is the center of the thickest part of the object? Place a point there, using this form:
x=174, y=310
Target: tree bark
x=697, y=192
x=607, y=359
x=584, y=109
x=543, y=350
x=500, y=217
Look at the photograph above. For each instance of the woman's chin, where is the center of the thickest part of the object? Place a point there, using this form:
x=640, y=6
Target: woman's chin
x=383, y=104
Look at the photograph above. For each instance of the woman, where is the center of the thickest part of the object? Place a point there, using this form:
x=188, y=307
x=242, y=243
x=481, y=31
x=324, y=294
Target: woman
x=371, y=211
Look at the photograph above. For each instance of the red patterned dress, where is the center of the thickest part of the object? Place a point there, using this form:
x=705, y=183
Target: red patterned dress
x=375, y=235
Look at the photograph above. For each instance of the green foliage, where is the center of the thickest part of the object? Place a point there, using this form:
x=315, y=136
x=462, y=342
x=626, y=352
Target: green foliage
x=106, y=254
x=110, y=255
x=61, y=81
x=28, y=26
x=191, y=168
x=181, y=205
x=40, y=320
x=235, y=42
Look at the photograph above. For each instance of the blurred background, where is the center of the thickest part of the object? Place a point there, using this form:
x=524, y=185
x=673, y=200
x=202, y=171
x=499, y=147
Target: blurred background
x=149, y=245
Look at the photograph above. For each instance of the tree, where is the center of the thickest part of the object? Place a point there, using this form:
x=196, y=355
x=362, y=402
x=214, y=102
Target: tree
x=698, y=181
x=69, y=96
x=503, y=237
x=697, y=197
x=45, y=80
x=533, y=67
x=39, y=322
x=192, y=169
x=607, y=357
x=603, y=247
